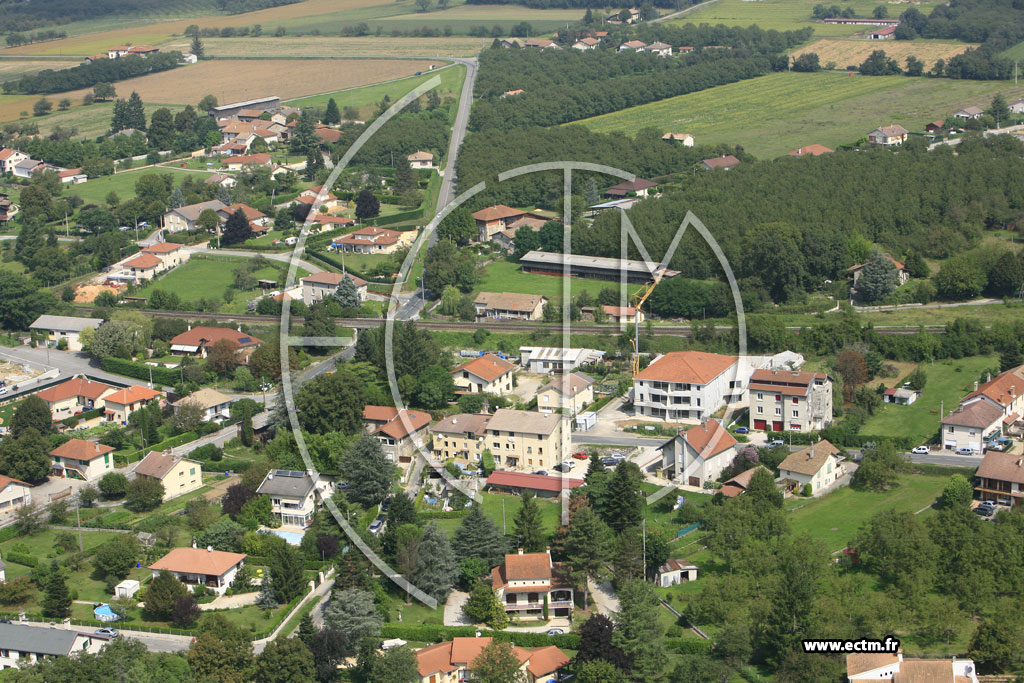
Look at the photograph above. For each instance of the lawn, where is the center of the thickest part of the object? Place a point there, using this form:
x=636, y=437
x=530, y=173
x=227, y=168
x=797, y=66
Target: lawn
x=948, y=382
x=782, y=15
x=96, y=190
x=835, y=518
x=774, y=114
x=502, y=276
x=92, y=120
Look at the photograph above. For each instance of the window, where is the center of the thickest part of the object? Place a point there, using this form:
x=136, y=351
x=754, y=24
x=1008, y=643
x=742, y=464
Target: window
x=796, y=413
x=795, y=400
x=540, y=450
x=181, y=473
x=778, y=397
x=760, y=410
x=778, y=411
x=760, y=396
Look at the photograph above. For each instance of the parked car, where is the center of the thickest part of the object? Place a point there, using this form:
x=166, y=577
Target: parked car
x=109, y=632
x=541, y=472
x=985, y=508
x=564, y=466
x=580, y=455
x=919, y=450
x=554, y=632
x=965, y=450
x=385, y=504
x=741, y=430
x=776, y=442
x=377, y=525
x=609, y=462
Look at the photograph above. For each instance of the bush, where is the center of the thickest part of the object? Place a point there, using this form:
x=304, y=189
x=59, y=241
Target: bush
x=21, y=558
x=72, y=420
x=120, y=366
x=689, y=646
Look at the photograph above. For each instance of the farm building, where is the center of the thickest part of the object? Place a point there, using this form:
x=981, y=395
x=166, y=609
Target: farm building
x=596, y=267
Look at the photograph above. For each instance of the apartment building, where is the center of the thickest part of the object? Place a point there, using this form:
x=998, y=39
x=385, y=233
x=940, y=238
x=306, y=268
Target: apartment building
x=1000, y=478
x=572, y=393
x=688, y=386
x=460, y=436
x=525, y=440
x=787, y=400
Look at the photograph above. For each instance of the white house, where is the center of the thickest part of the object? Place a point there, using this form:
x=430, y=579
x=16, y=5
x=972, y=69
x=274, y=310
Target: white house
x=215, y=405
x=889, y=666
x=787, y=400
x=888, y=135
x=525, y=582
x=547, y=359
x=817, y=465
x=67, y=327
x=214, y=569
x=21, y=644
x=319, y=285
x=688, y=386
x=486, y=374
x=675, y=572
x=81, y=459
x=9, y=158
x=177, y=474
x=571, y=393
x=699, y=454
x=970, y=424
x=14, y=494
x=185, y=217
x=420, y=159
x=293, y=495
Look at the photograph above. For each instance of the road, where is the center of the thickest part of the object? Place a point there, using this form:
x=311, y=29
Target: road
x=624, y=440
x=448, y=181
x=987, y=133
x=676, y=15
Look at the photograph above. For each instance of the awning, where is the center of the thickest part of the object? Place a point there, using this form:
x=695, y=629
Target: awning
x=1011, y=418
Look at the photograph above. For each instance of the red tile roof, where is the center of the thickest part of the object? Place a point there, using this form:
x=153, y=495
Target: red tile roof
x=327, y=134
x=143, y=261
x=1003, y=388
x=534, y=482
x=811, y=150
x=333, y=279
x=198, y=561
x=161, y=248
x=979, y=414
x=208, y=336
x=250, y=213
x=76, y=386
x=80, y=449
x=709, y=439
x=497, y=212
x=131, y=395
x=546, y=660
x=809, y=460
x=526, y=566
x=861, y=663
x=692, y=367
x=896, y=263
x=1002, y=466
x=259, y=158
x=379, y=413
x=724, y=161
x=6, y=481
x=406, y=422
x=487, y=367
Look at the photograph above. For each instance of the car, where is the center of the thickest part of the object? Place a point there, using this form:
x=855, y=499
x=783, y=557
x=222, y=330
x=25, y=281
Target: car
x=617, y=455
x=580, y=455
x=385, y=504
x=554, y=632
x=996, y=446
x=919, y=450
x=109, y=632
x=377, y=525
x=985, y=508
x=609, y=462
x=541, y=472
x=565, y=466
x=965, y=450
x=776, y=442
x=741, y=430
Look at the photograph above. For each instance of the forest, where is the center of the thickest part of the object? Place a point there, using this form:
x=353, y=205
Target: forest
x=87, y=75
x=997, y=24
x=573, y=4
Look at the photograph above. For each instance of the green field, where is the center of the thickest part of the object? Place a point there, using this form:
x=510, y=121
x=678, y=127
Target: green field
x=96, y=190
x=502, y=276
x=948, y=382
x=782, y=15
x=777, y=113
x=206, y=277
x=91, y=121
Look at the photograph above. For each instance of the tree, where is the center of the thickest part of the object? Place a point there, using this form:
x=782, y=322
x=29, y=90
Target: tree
x=478, y=536
x=329, y=649
x=283, y=661
x=347, y=295
x=207, y=103
x=458, y=227
x=224, y=534
x=26, y=457
x=200, y=52
x=162, y=593
x=960, y=278
x=161, y=130
x=878, y=279
x=527, y=524
x=352, y=612
x=287, y=568
x=57, y=600
x=31, y=413
x=266, y=599
x=586, y=547
x=914, y=66
x=404, y=180
x=762, y=488
x=113, y=485
x=424, y=5
x=996, y=645
x=958, y=491
x=877, y=64
x=999, y=110
x=236, y=229
x=483, y=607
x=896, y=546
x=638, y=631
x=222, y=357
x=208, y=220
x=235, y=499
x=851, y=367
x=396, y=665
x=596, y=644
x=367, y=205
x=367, y=470
x=331, y=115
x=436, y=388
x=332, y=403
x=600, y=671
x=436, y=568
x=1006, y=275
x=624, y=503
x=497, y=663
x=143, y=494
x=42, y=107
x=879, y=468
x=807, y=62
x=247, y=428
x=186, y=612
x=103, y=92
x=188, y=417
x=222, y=651
x=115, y=558
x=446, y=265
x=880, y=12
x=134, y=113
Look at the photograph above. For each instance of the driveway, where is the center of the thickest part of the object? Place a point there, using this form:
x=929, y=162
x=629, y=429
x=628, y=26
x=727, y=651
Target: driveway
x=602, y=597
x=453, y=615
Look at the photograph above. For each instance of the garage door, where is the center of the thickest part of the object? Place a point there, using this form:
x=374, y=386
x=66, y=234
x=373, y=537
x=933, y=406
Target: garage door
x=761, y=424
x=777, y=426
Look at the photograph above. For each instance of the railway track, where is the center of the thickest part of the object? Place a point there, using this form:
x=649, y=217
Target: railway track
x=495, y=326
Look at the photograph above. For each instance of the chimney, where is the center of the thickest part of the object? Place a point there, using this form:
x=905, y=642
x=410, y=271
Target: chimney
x=209, y=548
x=520, y=551
x=193, y=543
x=1020, y=461
x=975, y=385
x=547, y=549
x=239, y=327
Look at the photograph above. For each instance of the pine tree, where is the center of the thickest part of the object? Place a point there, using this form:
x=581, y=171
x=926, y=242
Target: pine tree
x=332, y=116
x=528, y=524
x=436, y=569
x=307, y=630
x=224, y=195
x=134, y=113
x=314, y=163
x=483, y=607
x=57, y=601
x=267, y=599
x=480, y=537
x=177, y=199
x=197, y=47
x=236, y=228
x=304, y=139
x=117, y=121
x=346, y=294
x=624, y=504
x=586, y=547
x=367, y=205
x=247, y=431
x=638, y=630
x=404, y=179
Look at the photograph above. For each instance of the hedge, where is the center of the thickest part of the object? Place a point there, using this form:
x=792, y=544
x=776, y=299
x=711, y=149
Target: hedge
x=396, y=217
x=433, y=633
x=441, y=514
x=22, y=558
x=72, y=420
x=842, y=438
x=172, y=442
x=689, y=646
x=161, y=375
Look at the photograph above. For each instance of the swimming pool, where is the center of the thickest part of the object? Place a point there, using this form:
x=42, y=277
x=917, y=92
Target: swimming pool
x=104, y=613
x=290, y=537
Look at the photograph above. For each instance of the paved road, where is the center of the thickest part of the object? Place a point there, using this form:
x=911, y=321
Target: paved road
x=447, y=191
x=623, y=440
x=987, y=133
x=68, y=362
x=676, y=15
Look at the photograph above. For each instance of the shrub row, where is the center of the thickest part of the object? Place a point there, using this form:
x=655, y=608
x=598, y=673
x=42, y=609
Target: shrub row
x=399, y=217
x=161, y=375
x=22, y=558
x=433, y=633
x=172, y=442
x=72, y=420
x=440, y=514
x=689, y=646
x=842, y=438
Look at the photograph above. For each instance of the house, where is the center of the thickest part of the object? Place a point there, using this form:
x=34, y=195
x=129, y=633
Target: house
x=143, y=267
x=196, y=341
x=685, y=138
x=459, y=436
x=901, y=396
x=970, y=424
x=9, y=158
x=509, y=306
x=236, y=163
x=638, y=187
x=902, y=274
x=14, y=494
x=486, y=374
x=688, y=386
x=452, y=661
x=569, y=393
x=185, y=217
x=525, y=440
x=319, y=285
x=179, y=475
x=936, y=127
x=817, y=465
x=214, y=405
x=699, y=454
x=398, y=431
x=542, y=44
x=968, y=113
x=512, y=93
x=228, y=110
x=81, y=459
x=674, y=572
x=172, y=255
x=189, y=58
x=118, y=51
x=738, y=484
x=8, y=209
x=254, y=216
x=547, y=359
x=329, y=202
x=335, y=221
x=541, y=485
x=420, y=159
x=499, y=217
x=67, y=327
x=24, y=645
x=587, y=43
x=888, y=666
x=884, y=33
x=888, y=135
x=525, y=582
x=193, y=566
x=633, y=46
x=660, y=49
x=623, y=314
x=328, y=136
x=508, y=43
x=787, y=400
x=26, y=167
x=372, y=240
x=685, y=49
x=1000, y=478
x=1006, y=392
x=126, y=588
x=724, y=162
x=1015, y=108
x=73, y=176
x=75, y=395
x=120, y=404
x=142, y=50
x=221, y=179
x=293, y=495
x=814, y=150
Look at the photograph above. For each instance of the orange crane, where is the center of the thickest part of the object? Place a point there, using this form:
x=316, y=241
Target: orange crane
x=639, y=297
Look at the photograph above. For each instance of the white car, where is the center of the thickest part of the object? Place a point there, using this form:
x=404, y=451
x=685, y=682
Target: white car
x=920, y=450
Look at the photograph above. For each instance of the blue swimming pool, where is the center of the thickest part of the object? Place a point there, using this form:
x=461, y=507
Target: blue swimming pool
x=104, y=613
x=290, y=537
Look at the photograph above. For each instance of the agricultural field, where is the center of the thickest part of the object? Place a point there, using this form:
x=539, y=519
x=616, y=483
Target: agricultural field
x=11, y=69
x=336, y=46
x=96, y=190
x=90, y=121
x=777, y=113
x=787, y=15
x=844, y=53
x=948, y=382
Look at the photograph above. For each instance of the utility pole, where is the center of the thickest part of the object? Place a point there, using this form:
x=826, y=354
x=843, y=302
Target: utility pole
x=644, y=526
x=78, y=517
x=504, y=531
